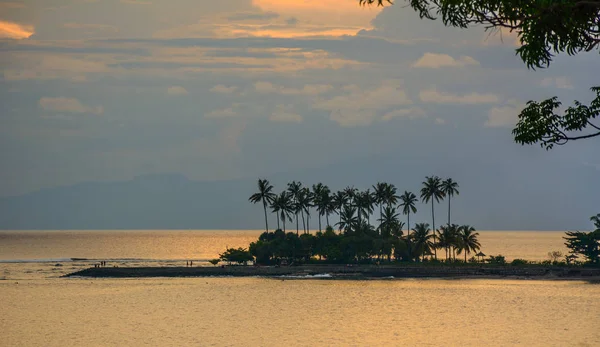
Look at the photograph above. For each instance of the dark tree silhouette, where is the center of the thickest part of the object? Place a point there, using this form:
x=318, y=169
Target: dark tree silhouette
x=449, y=187
x=266, y=195
x=432, y=190
x=468, y=241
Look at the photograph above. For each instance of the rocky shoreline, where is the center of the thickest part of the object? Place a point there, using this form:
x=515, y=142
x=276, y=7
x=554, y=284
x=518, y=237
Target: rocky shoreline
x=348, y=272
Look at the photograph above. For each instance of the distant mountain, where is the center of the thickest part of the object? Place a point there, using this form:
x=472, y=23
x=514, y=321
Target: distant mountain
x=493, y=195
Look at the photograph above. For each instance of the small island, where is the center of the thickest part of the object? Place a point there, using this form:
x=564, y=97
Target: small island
x=360, y=250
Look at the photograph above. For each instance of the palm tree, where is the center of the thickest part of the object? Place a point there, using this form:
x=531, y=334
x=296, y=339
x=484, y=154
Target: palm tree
x=468, y=241
x=294, y=189
x=283, y=207
x=389, y=220
x=408, y=204
x=266, y=195
x=304, y=203
x=390, y=195
x=364, y=203
x=432, y=190
x=422, y=239
x=321, y=200
x=446, y=236
x=338, y=201
x=449, y=187
x=347, y=218
x=379, y=194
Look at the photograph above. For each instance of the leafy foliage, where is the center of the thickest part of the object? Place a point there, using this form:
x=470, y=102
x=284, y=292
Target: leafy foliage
x=236, y=255
x=539, y=122
x=544, y=27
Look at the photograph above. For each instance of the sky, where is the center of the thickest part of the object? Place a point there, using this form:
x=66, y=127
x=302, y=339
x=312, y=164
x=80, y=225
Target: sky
x=109, y=90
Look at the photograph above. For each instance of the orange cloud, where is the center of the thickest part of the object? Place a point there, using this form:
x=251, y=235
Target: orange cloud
x=10, y=30
x=341, y=14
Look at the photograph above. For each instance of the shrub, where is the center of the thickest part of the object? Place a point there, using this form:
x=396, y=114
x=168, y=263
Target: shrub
x=518, y=262
x=497, y=259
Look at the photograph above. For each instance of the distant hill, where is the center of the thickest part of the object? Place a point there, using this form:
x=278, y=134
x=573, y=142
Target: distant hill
x=513, y=197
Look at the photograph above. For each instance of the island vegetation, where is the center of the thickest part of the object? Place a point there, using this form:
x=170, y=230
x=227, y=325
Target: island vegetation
x=355, y=240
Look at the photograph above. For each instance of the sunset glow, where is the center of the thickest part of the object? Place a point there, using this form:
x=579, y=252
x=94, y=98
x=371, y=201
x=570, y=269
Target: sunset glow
x=10, y=30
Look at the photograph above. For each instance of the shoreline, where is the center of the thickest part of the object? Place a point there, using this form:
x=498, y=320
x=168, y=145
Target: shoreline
x=355, y=272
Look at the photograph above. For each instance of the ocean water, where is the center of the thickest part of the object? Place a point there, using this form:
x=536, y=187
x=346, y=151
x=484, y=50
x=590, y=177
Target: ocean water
x=41, y=309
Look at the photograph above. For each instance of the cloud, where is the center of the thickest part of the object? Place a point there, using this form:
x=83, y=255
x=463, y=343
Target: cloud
x=440, y=121
x=89, y=27
x=359, y=107
x=410, y=113
x=11, y=5
x=432, y=95
x=285, y=113
x=558, y=82
x=504, y=116
x=10, y=30
x=221, y=113
x=71, y=105
x=256, y=16
x=308, y=89
x=223, y=89
x=435, y=61
x=177, y=90
x=352, y=118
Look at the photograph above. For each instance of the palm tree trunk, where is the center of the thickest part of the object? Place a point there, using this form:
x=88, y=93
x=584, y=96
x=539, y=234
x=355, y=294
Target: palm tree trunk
x=433, y=220
x=380, y=215
x=319, y=222
x=266, y=220
x=465, y=256
x=327, y=218
x=307, y=223
x=303, y=223
x=284, y=223
x=449, y=197
x=297, y=223
x=408, y=236
x=277, y=217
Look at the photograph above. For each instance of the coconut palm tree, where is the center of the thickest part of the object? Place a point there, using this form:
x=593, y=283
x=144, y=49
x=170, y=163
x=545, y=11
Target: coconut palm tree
x=321, y=199
x=391, y=197
x=422, y=239
x=432, y=190
x=305, y=202
x=408, y=201
x=449, y=187
x=266, y=195
x=338, y=201
x=348, y=220
x=294, y=190
x=379, y=196
x=283, y=208
x=468, y=241
x=364, y=202
x=446, y=238
x=388, y=220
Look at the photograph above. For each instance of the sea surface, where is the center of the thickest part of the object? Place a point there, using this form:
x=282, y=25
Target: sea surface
x=39, y=308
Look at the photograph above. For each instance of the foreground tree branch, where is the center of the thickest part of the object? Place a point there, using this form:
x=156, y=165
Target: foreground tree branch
x=538, y=122
x=544, y=28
